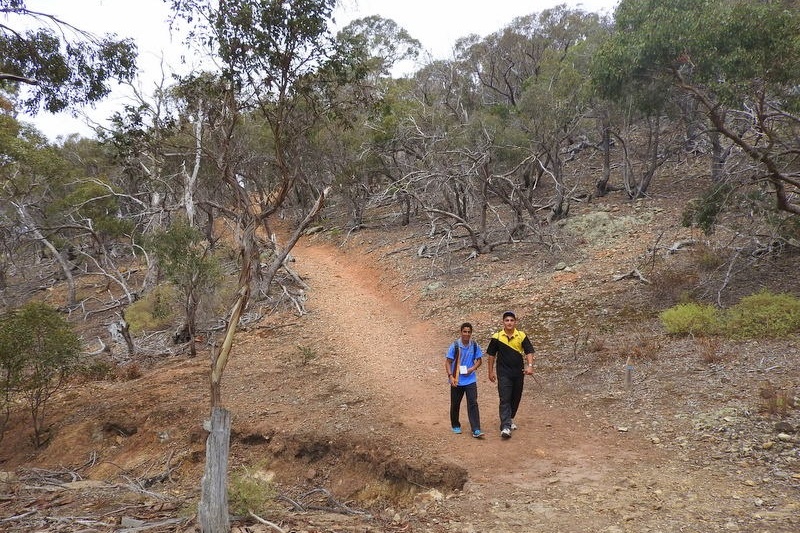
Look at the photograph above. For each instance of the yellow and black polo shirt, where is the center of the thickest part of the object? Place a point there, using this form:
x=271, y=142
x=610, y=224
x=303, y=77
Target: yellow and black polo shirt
x=509, y=351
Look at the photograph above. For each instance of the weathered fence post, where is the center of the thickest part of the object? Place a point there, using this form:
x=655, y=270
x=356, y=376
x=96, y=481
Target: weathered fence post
x=212, y=513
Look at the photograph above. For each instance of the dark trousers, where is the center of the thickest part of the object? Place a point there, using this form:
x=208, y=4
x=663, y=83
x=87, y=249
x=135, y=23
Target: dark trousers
x=510, y=390
x=456, y=395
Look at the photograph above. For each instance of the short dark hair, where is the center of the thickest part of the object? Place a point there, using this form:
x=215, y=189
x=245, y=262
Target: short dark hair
x=465, y=325
x=509, y=314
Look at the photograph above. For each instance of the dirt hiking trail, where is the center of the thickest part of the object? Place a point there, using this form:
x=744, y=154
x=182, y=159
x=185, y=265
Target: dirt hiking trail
x=387, y=350
x=570, y=467
x=351, y=399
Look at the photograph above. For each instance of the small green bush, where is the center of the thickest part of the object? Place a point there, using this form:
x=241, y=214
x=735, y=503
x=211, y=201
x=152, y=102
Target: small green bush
x=307, y=354
x=38, y=352
x=97, y=370
x=250, y=490
x=156, y=311
x=760, y=315
x=763, y=315
x=704, y=211
x=691, y=319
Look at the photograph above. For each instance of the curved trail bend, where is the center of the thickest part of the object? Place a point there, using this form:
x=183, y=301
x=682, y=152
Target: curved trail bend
x=396, y=359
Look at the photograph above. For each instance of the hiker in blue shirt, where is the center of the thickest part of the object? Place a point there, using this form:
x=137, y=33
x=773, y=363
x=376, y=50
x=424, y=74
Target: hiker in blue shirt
x=462, y=360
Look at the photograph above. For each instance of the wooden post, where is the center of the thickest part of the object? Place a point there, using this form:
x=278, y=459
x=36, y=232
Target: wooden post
x=212, y=513
x=628, y=374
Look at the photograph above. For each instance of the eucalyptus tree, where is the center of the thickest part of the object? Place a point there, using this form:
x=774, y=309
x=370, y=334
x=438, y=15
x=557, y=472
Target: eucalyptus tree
x=201, y=112
x=276, y=58
x=139, y=139
x=650, y=107
x=531, y=79
x=390, y=146
x=475, y=144
x=55, y=64
x=423, y=139
x=33, y=177
x=273, y=59
x=58, y=206
x=724, y=54
x=48, y=64
x=555, y=107
x=344, y=142
x=505, y=60
x=483, y=127
x=166, y=177
x=429, y=130
x=376, y=45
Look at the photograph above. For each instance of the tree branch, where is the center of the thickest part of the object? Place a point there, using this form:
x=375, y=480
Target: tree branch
x=4, y=76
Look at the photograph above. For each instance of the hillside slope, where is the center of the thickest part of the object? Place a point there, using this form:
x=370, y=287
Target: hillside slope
x=345, y=407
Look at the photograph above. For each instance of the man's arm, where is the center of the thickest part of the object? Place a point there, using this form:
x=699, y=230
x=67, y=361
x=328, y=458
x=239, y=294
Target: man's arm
x=477, y=364
x=452, y=374
x=529, y=357
x=491, y=351
x=478, y=361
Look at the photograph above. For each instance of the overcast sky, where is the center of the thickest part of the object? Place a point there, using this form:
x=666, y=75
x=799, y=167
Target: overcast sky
x=437, y=24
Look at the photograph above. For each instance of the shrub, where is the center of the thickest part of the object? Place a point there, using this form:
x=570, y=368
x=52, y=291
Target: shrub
x=38, y=351
x=250, y=491
x=706, y=258
x=762, y=315
x=704, y=211
x=691, y=319
x=674, y=284
x=777, y=400
x=640, y=347
x=307, y=354
x=97, y=370
x=156, y=311
x=188, y=262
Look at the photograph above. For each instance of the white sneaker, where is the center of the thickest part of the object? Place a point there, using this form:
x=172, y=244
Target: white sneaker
x=513, y=426
x=506, y=433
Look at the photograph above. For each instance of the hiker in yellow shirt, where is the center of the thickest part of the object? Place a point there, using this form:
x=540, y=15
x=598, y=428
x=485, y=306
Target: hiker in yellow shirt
x=510, y=358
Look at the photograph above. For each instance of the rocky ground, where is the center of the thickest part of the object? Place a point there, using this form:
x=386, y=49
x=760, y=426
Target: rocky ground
x=345, y=408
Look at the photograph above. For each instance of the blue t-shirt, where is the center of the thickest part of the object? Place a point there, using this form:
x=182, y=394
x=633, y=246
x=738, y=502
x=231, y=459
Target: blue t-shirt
x=469, y=354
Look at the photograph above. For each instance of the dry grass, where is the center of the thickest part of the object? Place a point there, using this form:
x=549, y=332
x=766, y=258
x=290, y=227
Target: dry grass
x=674, y=284
x=777, y=399
x=641, y=346
x=710, y=349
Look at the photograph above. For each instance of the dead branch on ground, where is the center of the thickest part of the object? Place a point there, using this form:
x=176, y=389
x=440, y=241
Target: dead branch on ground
x=679, y=245
x=166, y=475
x=633, y=274
x=266, y=522
x=334, y=506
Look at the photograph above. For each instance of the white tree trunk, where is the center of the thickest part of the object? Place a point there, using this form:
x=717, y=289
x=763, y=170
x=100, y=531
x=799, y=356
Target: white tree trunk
x=191, y=179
